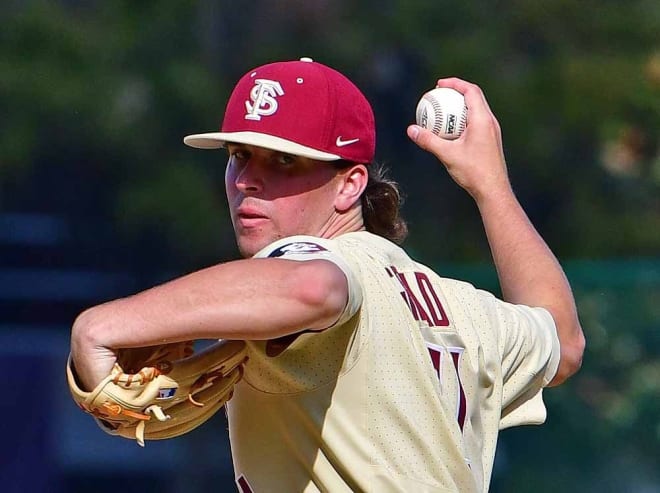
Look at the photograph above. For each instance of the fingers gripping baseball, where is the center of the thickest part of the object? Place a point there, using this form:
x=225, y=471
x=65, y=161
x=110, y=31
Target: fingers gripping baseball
x=427, y=140
x=475, y=160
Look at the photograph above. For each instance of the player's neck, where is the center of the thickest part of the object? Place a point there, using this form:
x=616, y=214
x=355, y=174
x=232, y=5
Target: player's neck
x=341, y=223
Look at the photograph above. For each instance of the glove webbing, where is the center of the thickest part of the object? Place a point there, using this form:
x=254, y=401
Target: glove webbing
x=142, y=377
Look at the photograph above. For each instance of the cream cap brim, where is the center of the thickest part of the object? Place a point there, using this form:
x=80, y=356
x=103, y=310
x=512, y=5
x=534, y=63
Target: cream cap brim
x=215, y=140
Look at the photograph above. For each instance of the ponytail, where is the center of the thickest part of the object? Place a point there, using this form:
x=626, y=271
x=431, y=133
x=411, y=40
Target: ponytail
x=381, y=206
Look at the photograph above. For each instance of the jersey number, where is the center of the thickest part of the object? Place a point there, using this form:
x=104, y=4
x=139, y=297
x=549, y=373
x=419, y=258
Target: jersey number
x=243, y=485
x=436, y=353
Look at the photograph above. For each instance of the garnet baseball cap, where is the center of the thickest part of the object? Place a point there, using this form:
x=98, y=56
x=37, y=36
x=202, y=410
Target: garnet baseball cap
x=299, y=107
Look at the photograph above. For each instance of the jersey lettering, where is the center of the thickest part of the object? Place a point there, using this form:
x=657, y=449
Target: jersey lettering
x=436, y=353
x=431, y=311
x=435, y=307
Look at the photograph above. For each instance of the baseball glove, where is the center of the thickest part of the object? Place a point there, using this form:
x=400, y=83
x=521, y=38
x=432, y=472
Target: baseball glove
x=163, y=391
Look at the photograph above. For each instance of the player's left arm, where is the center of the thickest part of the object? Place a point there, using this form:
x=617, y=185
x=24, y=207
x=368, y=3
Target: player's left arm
x=250, y=299
x=530, y=274
x=528, y=271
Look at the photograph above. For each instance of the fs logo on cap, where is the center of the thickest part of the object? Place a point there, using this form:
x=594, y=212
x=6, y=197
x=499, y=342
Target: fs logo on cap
x=263, y=96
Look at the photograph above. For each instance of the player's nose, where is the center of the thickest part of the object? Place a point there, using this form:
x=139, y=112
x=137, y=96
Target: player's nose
x=249, y=179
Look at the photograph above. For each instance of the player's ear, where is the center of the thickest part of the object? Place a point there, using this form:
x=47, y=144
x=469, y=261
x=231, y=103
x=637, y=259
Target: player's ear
x=351, y=183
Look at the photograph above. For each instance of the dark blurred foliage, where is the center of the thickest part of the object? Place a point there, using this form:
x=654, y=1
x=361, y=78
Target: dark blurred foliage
x=97, y=96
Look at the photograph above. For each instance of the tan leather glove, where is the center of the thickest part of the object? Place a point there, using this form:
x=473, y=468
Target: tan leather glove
x=167, y=392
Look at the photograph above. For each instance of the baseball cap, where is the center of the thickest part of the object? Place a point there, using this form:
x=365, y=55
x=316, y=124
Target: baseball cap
x=298, y=107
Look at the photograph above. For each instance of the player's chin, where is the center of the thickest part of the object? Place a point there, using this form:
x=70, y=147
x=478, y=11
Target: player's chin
x=249, y=243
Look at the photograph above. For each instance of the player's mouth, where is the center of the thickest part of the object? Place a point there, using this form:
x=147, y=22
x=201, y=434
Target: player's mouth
x=248, y=217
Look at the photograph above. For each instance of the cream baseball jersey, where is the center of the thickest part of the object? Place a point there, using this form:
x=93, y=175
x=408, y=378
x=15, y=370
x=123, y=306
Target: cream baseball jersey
x=407, y=391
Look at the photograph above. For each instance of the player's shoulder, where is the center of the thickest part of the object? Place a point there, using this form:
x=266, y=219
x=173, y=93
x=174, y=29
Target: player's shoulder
x=297, y=245
x=354, y=242
x=458, y=291
x=366, y=244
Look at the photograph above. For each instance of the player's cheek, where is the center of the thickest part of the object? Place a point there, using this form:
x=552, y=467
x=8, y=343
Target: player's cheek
x=230, y=179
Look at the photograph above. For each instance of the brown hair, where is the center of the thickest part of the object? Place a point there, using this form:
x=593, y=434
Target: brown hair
x=381, y=204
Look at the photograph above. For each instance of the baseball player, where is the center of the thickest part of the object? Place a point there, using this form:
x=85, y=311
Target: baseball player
x=367, y=370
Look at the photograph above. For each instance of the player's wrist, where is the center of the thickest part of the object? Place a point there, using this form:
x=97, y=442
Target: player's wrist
x=492, y=190
x=90, y=358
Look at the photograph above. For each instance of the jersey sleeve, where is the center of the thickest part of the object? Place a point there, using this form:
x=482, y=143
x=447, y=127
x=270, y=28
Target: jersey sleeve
x=302, y=248
x=529, y=351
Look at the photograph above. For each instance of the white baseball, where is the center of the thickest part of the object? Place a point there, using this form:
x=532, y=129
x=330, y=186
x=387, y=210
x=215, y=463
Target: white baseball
x=442, y=110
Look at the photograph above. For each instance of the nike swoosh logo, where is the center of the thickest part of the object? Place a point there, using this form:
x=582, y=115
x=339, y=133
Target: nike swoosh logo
x=342, y=143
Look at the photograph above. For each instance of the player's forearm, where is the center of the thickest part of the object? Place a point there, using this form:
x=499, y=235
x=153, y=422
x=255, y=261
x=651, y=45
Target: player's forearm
x=528, y=271
x=248, y=299
x=530, y=274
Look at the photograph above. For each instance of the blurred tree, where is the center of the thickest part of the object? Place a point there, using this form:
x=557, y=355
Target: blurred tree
x=96, y=103
x=95, y=114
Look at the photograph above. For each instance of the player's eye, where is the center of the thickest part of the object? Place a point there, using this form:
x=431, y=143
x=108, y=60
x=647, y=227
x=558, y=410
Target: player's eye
x=238, y=154
x=285, y=159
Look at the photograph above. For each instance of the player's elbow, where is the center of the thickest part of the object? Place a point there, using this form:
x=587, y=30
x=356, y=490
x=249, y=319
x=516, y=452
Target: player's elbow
x=94, y=326
x=83, y=328
x=322, y=289
x=572, y=352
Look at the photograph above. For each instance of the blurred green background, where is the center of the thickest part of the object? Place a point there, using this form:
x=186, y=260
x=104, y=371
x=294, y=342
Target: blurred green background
x=99, y=197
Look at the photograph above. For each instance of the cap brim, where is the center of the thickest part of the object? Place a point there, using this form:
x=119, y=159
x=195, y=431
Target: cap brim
x=215, y=140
